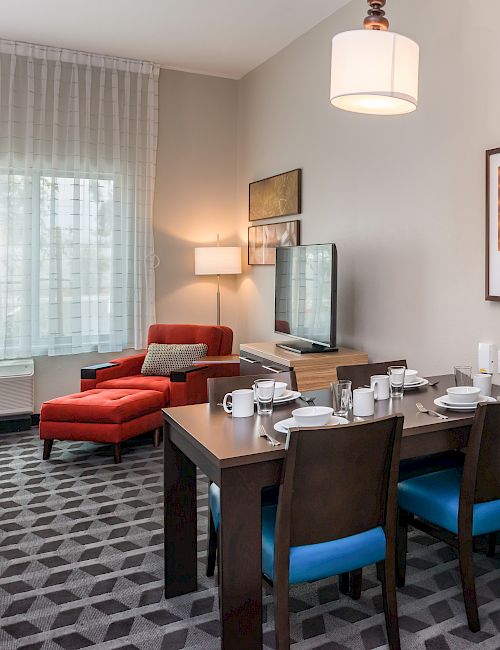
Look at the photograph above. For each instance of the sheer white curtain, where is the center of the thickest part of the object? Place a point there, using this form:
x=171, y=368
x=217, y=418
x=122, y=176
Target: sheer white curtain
x=78, y=137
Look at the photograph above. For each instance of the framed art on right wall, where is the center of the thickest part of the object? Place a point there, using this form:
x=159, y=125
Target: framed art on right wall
x=493, y=224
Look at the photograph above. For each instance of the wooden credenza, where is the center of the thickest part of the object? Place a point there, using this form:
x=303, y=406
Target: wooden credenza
x=313, y=371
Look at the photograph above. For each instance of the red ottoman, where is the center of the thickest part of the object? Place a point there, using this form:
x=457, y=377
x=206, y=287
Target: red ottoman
x=101, y=415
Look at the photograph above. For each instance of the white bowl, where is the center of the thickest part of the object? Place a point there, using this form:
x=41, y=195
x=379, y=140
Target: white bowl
x=279, y=389
x=312, y=416
x=411, y=376
x=463, y=394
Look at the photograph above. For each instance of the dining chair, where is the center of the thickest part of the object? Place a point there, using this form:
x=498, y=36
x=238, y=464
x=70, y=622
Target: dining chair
x=217, y=388
x=306, y=538
x=456, y=505
x=360, y=374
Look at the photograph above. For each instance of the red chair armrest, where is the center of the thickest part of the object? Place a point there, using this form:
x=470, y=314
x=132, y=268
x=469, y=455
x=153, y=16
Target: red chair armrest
x=189, y=385
x=181, y=374
x=122, y=367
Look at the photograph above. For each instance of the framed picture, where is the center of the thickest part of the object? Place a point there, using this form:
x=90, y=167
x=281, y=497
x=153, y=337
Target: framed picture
x=263, y=240
x=277, y=196
x=493, y=224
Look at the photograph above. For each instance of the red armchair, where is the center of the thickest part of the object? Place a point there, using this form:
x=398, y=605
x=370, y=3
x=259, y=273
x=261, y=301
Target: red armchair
x=184, y=386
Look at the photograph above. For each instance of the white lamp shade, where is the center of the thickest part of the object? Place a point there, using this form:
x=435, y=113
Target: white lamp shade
x=217, y=260
x=374, y=72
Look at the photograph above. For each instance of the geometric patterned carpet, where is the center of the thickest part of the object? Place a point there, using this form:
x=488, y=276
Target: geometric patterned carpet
x=81, y=565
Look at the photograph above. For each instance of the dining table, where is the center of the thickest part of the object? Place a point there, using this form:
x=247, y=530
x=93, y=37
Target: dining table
x=231, y=453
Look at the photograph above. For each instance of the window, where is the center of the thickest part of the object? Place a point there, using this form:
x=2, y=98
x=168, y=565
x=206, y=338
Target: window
x=77, y=148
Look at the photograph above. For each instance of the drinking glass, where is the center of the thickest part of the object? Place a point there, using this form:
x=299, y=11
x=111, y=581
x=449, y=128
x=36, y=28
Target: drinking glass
x=463, y=375
x=341, y=397
x=264, y=394
x=397, y=380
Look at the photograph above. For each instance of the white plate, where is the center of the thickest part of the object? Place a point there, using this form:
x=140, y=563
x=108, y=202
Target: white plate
x=283, y=425
x=440, y=401
x=417, y=384
x=288, y=396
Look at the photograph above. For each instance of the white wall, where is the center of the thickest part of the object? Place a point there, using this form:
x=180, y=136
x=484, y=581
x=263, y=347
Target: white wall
x=402, y=197
x=195, y=193
x=195, y=198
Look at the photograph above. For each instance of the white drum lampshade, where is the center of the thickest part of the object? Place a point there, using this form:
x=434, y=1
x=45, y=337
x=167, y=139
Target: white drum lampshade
x=374, y=72
x=217, y=260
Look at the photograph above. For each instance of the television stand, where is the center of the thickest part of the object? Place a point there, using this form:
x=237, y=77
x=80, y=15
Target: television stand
x=306, y=348
x=313, y=371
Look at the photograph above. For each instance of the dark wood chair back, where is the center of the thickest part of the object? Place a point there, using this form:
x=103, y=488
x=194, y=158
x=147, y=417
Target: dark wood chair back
x=339, y=482
x=360, y=374
x=219, y=386
x=481, y=474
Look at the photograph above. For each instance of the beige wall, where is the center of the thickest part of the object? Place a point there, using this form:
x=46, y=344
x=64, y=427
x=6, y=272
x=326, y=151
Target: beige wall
x=195, y=199
x=402, y=197
x=195, y=193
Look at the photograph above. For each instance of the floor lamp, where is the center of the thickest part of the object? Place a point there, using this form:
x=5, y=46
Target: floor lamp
x=217, y=260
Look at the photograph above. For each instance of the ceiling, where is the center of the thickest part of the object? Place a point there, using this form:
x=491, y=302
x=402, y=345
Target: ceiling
x=227, y=38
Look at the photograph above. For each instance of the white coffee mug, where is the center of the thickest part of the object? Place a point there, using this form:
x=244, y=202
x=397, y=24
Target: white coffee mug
x=483, y=382
x=381, y=386
x=241, y=404
x=363, y=402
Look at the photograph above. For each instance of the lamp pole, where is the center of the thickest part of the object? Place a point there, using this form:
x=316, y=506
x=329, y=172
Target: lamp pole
x=218, y=299
x=218, y=288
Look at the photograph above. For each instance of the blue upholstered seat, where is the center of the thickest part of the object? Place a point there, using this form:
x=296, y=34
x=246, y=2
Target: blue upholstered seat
x=318, y=561
x=315, y=561
x=214, y=503
x=435, y=498
x=269, y=498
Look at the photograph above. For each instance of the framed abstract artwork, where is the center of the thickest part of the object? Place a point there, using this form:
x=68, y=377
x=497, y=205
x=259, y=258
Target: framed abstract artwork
x=493, y=224
x=263, y=240
x=277, y=196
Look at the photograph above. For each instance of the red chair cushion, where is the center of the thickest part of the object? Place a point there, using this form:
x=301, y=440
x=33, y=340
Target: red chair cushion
x=102, y=406
x=140, y=382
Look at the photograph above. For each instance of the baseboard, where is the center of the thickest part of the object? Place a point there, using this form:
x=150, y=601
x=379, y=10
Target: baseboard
x=13, y=424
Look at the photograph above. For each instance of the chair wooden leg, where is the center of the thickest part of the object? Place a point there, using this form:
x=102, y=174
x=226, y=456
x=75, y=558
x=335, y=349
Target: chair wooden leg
x=118, y=452
x=356, y=582
x=468, y=582
x=344, y=583
x=492, y=542
x=156, y=437
x=281, y=616
x=401, y=547
x=47, y=448
x=388, y=572
x=212, y=546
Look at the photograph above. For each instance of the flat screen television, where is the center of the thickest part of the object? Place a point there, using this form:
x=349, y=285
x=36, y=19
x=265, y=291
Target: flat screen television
x=306, y=297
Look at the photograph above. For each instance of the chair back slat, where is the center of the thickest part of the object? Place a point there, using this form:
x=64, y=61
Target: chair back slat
x=219, y=386
x=360, y=374
x=483, y=453
x=335, y=480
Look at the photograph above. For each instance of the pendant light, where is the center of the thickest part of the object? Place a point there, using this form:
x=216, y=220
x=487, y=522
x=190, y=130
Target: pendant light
x=374, y=71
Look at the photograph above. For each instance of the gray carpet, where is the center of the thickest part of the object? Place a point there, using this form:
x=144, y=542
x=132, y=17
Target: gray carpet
x=81, y=566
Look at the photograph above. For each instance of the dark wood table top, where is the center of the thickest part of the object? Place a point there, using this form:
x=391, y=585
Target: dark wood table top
x=231, y=442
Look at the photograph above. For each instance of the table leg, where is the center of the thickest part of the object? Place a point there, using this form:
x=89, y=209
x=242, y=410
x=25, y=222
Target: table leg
x=180, y=520
x=240, y=547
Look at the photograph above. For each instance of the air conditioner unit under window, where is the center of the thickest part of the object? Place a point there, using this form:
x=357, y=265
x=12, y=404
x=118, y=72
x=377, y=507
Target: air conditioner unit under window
x=16, y=387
